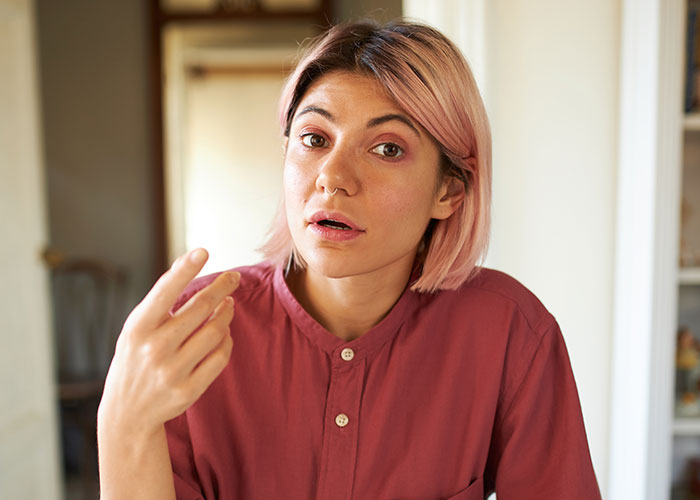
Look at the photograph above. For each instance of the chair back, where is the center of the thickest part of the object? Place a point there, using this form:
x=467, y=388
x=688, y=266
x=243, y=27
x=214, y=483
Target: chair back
x=89, y=302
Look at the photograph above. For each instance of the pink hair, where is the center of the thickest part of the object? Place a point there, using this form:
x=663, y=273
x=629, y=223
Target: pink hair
x=429, y=78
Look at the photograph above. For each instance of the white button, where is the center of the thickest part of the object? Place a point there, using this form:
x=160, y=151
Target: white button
x=347, y=354
x=341, y=420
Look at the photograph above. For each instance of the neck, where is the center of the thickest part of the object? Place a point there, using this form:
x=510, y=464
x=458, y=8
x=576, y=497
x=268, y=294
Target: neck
x=349, y=307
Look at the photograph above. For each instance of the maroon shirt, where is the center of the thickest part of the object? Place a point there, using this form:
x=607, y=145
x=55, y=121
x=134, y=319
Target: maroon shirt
x=451, y=396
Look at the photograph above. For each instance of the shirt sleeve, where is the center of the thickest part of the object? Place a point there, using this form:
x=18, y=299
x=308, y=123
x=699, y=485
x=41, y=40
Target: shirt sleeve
x=539, y=447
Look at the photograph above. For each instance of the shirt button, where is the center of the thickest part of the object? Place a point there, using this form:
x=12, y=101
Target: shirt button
x=341, y=420
x=347, y=354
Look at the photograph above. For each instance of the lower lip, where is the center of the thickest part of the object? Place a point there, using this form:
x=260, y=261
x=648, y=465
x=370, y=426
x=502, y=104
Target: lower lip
x=335, y=234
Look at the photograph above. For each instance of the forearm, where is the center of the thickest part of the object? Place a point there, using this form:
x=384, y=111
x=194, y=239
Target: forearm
x=134, y=467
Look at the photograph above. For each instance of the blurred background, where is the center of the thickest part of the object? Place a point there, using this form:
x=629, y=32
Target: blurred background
x=132, y=131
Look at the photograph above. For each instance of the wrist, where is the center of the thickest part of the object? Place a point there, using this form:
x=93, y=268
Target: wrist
x=113, y=425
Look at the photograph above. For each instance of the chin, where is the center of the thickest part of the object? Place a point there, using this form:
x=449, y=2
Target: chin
x=330, y=266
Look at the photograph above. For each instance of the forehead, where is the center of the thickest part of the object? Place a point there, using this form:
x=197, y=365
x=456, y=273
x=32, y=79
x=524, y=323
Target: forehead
x=343, y=90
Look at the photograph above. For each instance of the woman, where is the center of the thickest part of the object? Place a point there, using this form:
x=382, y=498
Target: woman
x=374, y=358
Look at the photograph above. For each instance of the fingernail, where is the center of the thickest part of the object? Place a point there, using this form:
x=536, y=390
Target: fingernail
x=232, y=278
x=198, y=256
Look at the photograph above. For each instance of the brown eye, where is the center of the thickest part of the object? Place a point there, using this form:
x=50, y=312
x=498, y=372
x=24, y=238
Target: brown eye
x=388, y=149
x=313, y=140
x=391, y=149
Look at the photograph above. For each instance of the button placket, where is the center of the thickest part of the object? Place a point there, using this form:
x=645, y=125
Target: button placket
x=342, y=421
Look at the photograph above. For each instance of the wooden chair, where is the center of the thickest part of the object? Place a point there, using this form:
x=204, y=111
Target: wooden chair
x=89, y=310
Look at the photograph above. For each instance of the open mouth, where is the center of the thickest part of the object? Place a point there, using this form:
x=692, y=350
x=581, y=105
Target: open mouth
x=334, y=224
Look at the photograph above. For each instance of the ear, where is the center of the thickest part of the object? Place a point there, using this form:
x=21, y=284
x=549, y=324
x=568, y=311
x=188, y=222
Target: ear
x=284, y=145
x=450, y=196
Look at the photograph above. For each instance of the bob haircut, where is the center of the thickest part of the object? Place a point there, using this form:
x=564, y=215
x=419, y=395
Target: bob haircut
x=427, y=76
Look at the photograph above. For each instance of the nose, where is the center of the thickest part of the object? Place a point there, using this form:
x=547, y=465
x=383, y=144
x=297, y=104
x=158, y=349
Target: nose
x=338, y=173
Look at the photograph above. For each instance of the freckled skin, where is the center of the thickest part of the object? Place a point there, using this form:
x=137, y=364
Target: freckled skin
x=389, y=192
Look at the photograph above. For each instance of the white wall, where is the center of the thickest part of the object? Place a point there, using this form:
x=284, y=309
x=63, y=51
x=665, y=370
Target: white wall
x=29, y=457
x=551, y=79
x=554, y=70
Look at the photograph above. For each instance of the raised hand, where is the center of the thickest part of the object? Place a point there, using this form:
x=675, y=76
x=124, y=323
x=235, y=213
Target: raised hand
x=163, y=363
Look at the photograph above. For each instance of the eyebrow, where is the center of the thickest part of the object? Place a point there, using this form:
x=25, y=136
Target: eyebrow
x=374, y=122
x=315, y=109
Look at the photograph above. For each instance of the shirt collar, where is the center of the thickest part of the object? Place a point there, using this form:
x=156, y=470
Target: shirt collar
x=364, y=345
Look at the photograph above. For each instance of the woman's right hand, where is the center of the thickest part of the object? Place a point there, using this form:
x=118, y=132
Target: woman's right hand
x=163, y=363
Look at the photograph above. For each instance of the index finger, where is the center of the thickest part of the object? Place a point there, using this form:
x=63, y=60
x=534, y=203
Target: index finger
x=154, y=307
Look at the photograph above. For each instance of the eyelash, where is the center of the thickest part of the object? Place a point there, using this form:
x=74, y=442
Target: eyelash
x=399, y=155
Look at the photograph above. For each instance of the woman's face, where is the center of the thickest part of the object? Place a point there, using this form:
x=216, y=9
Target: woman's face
x=348, y=136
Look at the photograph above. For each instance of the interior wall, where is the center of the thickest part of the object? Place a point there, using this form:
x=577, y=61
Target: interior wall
x=94, y=89
x=553, y=85
x=28, y=424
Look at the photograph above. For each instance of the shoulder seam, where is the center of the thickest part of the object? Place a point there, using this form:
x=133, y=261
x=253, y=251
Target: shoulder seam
x=546, y=316
x=546, y=331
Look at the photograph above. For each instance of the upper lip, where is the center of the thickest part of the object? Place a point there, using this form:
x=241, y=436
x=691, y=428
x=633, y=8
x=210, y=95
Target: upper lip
x=338, y=217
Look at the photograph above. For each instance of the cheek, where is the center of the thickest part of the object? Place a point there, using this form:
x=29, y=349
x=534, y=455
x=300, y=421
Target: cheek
x=295, y=183
x=407, y=210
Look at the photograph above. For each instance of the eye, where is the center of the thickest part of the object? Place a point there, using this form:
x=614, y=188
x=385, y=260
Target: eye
x=313, y=140
x=388, y=149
